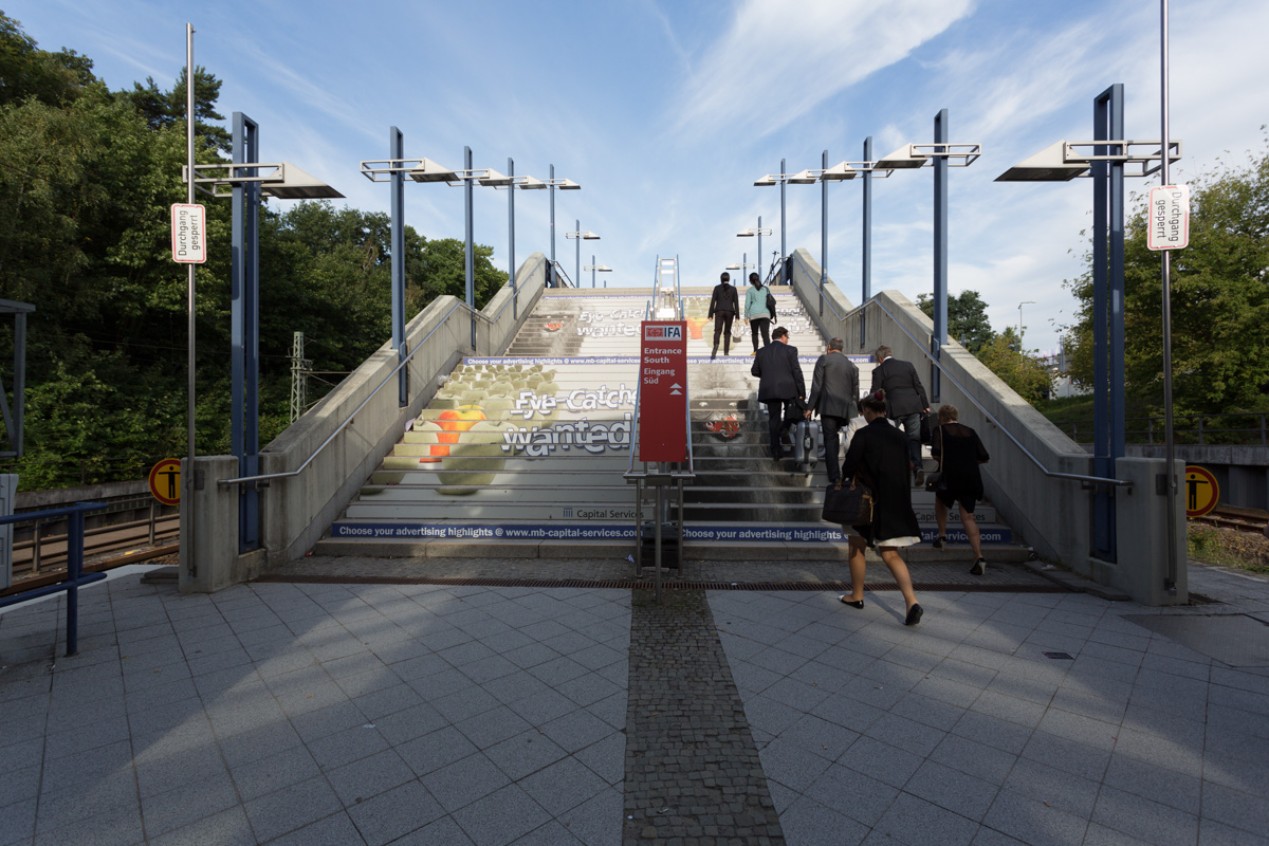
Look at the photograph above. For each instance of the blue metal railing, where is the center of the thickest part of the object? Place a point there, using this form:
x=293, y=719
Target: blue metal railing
x=75, y=575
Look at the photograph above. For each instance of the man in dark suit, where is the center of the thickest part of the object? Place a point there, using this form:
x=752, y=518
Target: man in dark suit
x=835, y=395
x=780, y=382
x=905, y=401
x=723, y=306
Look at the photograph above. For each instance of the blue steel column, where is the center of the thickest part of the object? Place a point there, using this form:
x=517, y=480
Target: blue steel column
x=866, y=270
x=396, y=182
x=577, y=264
x=761, y=255
x=244, y=314
x=469, y=264
x=511, y=238
x=823, y=228
x=784, y=253
x=550, y=276
x=1108, y=316
x=940, y=252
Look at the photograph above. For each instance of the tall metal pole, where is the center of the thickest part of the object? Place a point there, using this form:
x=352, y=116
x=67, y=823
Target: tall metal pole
x=761, y=254
x=469, y=260
x=784, y=253
x=823, y=229
x=187, y=521
x=577, y=241
x=244, y=318
x=550, y=276
x=592, y=270
x=511, y=238
x=866, y=270
x=940, y=252
x=1108, y=315
x=1169, y=448
x=396, y=205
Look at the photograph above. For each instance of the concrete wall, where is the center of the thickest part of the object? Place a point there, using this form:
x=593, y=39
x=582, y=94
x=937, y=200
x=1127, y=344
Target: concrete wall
x=296, y=509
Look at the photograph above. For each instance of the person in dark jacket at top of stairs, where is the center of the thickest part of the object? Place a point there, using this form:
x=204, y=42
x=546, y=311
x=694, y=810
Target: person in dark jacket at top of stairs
x=723, y=307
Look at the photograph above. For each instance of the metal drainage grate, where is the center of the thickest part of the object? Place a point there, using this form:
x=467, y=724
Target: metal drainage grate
x=1059, y=656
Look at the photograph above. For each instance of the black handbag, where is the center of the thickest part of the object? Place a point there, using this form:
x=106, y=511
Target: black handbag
x=848, y=504
x=934, y=481
x=927, y=430
x=794, y=411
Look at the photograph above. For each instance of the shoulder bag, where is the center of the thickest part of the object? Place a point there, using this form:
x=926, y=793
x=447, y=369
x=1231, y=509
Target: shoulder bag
x=848, y=504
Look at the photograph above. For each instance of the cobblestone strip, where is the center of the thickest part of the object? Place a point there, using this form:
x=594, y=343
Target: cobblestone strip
x=692, y=771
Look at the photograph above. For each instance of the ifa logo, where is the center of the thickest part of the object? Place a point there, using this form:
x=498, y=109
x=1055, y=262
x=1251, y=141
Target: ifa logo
x=663, y=333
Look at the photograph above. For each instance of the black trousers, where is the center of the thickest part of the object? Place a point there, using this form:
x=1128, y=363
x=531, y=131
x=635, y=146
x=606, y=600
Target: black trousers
x=832, y=427
x=776, y=424
x=722, y=326
x=760, y=324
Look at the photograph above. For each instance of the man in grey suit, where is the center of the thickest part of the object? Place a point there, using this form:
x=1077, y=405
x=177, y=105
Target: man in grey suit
x=779, y=382
x=835, y=395
x=905, y=401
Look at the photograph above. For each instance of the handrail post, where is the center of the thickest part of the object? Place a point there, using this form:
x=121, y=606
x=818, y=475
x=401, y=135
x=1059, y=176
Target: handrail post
x=74, y=568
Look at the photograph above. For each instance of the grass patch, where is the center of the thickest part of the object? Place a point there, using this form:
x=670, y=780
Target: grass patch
x=1228, y=548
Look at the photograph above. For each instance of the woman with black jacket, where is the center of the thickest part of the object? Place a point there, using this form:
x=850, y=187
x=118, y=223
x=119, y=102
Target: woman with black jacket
x=878, y=457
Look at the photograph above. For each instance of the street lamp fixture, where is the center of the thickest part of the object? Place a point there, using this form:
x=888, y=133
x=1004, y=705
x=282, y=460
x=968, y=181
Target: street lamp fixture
x=246, y=181
x=596, y=268
x=281, y=180
x=751, y=232
x=839, y=172
x=426, y=170
x=941, y=155
x=578, y=235
x=1020, y=305
x=563, y=185
x=1106, y=159
x=1063, y=161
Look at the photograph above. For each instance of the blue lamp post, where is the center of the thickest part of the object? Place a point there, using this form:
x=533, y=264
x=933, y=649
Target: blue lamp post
x=249, y=180
x=1105, y=160
x=941, y=154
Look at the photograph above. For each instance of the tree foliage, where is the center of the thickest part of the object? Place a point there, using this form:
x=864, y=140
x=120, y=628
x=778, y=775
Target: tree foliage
x=1030, y=379
x=966, y=319
x=87, y=177
x=1220, y=300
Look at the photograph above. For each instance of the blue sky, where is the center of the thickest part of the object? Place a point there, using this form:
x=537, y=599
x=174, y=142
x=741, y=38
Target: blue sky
x=666, y=111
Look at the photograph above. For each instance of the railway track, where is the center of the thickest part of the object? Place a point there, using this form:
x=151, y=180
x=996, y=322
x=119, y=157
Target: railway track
x=1228, y=517
x=40, y=558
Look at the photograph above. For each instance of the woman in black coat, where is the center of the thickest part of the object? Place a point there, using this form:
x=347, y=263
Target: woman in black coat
x=878, y=455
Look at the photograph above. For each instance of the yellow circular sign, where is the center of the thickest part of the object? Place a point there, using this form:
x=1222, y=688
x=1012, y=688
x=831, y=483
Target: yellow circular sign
x=1202, y=491
x=165, y=481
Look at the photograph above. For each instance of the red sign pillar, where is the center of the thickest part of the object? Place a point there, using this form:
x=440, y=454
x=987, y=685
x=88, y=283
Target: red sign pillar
x=663, y=391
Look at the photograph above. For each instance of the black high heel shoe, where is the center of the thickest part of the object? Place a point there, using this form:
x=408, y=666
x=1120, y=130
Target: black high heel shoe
x=914, y=615
x=853, y=603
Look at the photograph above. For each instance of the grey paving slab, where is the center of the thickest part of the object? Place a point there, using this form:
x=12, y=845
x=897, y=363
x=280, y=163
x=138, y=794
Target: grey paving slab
x=424, y=713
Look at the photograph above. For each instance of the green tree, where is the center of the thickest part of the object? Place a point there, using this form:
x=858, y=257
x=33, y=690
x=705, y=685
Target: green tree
x=966, y=319
x=1220, y=300
x=163, y=109
x=1029, y=379
x=26, y=71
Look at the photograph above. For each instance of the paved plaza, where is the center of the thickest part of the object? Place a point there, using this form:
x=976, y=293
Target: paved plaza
x=306, y=712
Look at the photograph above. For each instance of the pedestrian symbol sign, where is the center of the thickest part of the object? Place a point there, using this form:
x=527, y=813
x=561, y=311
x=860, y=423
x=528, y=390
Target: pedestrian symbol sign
x=1202, y=491
x=165, y=481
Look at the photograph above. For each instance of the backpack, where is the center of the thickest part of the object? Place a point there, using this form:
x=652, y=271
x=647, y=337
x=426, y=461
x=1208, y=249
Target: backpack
x=771, y=304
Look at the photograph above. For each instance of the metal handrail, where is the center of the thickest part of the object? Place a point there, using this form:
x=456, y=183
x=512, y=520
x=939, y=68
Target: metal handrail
x=1100, y=480
x=352, y=416
x=75, y=575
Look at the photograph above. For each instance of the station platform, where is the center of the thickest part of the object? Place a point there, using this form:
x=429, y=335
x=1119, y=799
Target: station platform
x=487, y=702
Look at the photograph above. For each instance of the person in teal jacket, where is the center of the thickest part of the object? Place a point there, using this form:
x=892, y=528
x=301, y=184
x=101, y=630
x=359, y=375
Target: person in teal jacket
x=756, y=312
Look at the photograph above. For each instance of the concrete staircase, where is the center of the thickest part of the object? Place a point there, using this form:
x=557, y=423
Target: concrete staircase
x=527, y=450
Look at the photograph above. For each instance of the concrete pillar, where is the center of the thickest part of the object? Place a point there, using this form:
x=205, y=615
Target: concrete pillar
x=209, y=559
x=1142, y=542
